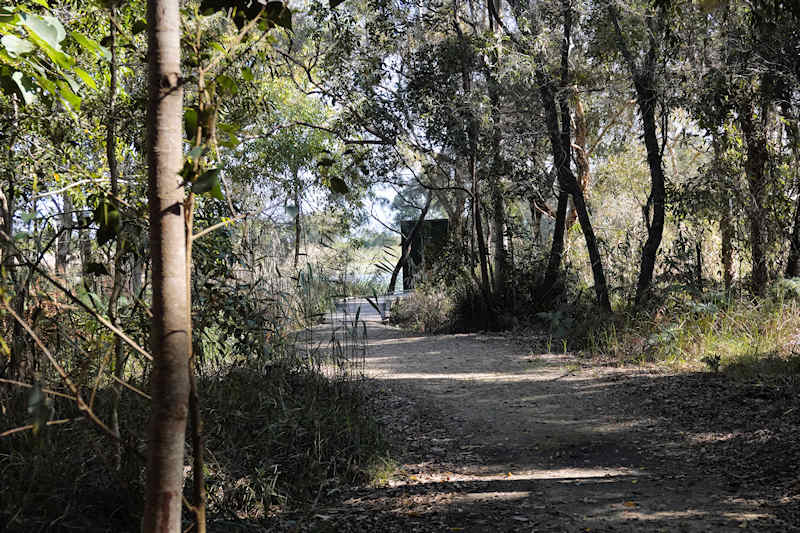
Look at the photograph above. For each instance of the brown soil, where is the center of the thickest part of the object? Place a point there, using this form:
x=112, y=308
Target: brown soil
x=494, y=435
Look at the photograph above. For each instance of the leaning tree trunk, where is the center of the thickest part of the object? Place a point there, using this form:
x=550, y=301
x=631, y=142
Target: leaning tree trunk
x=406, y=244
x=568, y=184
x=643, y=77
x=170, y=341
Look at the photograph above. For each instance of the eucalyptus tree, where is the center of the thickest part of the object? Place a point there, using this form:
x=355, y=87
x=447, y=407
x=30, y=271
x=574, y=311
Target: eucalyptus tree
x=747, y=83
x=646, y=64
x=530, y=23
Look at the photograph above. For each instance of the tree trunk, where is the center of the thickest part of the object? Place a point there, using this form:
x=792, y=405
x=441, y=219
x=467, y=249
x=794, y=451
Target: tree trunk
x=643, y=77
x=581, y=153
x=116, y=291
x=557, y=247
x=498, y=221
x=793, y=261
x=568, y=184
x=755, y=161
x=726, y=218
x=726, y=231
x=65, y=236
x=406, y=243
x=297, y=230
x=169, y=337
x=646, y=98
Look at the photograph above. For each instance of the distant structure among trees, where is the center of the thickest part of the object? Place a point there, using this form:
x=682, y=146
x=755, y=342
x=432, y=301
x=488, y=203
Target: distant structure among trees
x=426, y=244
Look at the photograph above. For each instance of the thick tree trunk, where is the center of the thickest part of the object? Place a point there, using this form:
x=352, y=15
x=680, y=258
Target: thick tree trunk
x=169, y=337
x=755, y=162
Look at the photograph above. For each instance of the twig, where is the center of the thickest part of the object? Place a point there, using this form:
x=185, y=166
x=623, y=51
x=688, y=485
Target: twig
x=31, y=426
x=80, y=303
x=61, y=372
x=217, y=226
x=131, y=387
x=29, y=386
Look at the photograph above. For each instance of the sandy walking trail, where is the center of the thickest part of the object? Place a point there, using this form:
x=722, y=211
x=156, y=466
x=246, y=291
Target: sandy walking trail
x=493, y=435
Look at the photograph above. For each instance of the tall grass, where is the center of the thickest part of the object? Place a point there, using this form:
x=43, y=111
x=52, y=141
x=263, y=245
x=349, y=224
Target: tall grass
x=715, y=332
x=285, y=411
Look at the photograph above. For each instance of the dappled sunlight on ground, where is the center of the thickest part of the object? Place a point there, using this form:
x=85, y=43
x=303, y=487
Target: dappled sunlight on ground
x=501, y=438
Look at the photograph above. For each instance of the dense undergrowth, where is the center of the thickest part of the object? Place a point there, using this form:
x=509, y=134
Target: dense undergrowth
x=276, y=436
x=287, y=414
x=679, y=326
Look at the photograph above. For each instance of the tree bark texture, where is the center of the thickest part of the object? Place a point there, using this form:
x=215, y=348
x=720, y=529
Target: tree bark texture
x=568, y=184
x=643, y=77
x=755, y=162
x=169, y=336
x=793, y=261
x=646, y=98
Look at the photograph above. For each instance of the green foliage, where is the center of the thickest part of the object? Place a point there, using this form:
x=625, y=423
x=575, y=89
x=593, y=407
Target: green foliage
x=717, y=332
x=428, y=308
x=33, y=60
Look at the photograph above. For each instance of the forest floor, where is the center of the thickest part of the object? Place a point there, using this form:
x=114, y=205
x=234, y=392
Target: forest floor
x=492, y=434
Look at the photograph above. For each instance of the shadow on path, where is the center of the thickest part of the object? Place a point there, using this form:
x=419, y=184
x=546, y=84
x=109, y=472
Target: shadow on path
x=494, y=437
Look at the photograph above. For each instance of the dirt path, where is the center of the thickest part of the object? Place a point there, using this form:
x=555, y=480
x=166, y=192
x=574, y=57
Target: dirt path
x=495, y=437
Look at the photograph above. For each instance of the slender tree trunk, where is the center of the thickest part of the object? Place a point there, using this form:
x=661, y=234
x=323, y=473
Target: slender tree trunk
x=557, y=247
x=793, y=261
x=297, y=229
x=581, y=154
x=755, y=162
x=643, y=77
x=65, y=236
x=726, y=218
x=568, y=184
x=120, y=359
x=726, y=231
x=406, y=243
x=169, y=337
x=500, y=256
x=646, y=99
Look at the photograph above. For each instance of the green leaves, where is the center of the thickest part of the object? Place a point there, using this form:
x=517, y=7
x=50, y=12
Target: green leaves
x=190, y=122
x=271, y=14
x=107, y=217
x=32, y=61
x=208, y=182
x=92, y=46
